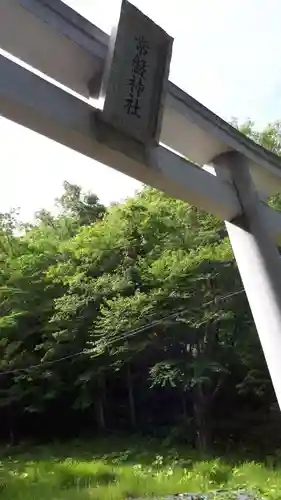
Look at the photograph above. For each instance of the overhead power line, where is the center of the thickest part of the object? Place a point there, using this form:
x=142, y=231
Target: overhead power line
x=217, y=300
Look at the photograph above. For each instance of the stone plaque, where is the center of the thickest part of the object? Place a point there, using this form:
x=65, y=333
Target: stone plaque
x=136, y=75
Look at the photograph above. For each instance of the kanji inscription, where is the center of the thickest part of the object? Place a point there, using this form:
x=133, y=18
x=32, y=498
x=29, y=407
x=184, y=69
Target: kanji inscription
x=136, y=82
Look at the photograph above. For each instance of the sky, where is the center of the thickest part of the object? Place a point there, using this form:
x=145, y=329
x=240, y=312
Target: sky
x=226, y=55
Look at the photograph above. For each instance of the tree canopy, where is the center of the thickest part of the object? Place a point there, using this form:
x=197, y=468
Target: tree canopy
x=130, y=317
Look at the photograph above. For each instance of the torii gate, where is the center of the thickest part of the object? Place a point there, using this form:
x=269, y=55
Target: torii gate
x=231, y=176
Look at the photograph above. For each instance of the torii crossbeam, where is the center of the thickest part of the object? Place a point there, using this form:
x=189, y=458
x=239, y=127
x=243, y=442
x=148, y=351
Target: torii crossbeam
x=230, y=177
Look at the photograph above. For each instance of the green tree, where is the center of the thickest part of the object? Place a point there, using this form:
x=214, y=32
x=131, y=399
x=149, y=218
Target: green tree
x=84, y=208
x=123, y=307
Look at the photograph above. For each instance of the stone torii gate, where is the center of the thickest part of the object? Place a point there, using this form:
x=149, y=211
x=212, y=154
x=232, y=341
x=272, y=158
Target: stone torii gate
x=146, y=127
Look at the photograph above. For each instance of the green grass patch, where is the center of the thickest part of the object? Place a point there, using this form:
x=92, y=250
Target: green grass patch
x=112, y=469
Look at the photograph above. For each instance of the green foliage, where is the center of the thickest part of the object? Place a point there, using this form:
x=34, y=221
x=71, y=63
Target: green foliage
x=133, y=469
x=113, y=315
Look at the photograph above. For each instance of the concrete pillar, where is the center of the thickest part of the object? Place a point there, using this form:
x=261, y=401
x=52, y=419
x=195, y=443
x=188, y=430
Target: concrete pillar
x=258, y=261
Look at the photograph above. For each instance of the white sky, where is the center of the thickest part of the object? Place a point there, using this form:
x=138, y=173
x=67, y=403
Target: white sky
x=226, y=54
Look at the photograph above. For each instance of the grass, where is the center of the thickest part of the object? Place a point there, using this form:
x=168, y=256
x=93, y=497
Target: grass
x=115, y=469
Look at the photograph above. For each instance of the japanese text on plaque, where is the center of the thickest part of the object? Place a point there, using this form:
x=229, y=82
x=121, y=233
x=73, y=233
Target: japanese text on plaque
x=136, y=81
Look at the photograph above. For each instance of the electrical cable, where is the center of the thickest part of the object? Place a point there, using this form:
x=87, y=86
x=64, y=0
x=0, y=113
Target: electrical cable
x=126, y=335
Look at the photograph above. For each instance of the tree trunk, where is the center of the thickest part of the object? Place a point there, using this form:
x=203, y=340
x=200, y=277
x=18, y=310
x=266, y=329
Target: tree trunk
x=100, y=413
x=131, y=397
x=200, y=408
x=184, y=405
x=99, y=404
